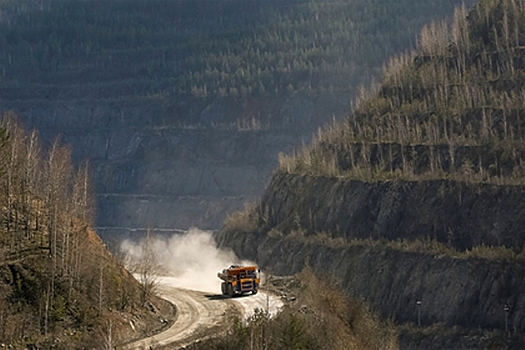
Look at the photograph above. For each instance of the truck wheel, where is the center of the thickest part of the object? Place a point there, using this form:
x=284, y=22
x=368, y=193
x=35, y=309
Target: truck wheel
x=230, y=290
x=223, y=288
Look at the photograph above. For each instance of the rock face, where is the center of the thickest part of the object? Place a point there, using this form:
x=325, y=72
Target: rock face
x=460, y=215
x=454, y=289
x=178, y=166
x=396, y=242
x=470, y=293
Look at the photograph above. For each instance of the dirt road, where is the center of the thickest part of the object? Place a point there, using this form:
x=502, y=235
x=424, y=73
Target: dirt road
x=202, y=314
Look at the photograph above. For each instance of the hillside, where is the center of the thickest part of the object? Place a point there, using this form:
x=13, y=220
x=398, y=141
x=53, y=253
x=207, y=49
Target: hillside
x=183, y=106
x=415, y=198
x=451, y=110
x=59, y=285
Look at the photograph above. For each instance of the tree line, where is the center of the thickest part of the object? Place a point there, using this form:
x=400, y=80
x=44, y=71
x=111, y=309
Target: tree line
x=210, y=48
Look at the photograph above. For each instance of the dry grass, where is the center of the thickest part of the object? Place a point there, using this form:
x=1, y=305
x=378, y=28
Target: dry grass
x=429, y=247
x=435, y=248
x=496, y=253
x=246, y=220
x=350, y=324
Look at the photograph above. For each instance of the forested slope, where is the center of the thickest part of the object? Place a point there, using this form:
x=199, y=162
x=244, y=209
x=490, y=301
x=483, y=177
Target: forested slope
x=59, y=285
x=453, y=109
x=225, y=48
x=151, y=90
x=423, y=179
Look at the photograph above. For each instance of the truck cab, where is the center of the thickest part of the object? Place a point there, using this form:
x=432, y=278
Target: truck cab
x=239, y=280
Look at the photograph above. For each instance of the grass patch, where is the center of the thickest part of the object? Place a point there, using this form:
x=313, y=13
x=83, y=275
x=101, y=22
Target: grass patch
x=428, y=247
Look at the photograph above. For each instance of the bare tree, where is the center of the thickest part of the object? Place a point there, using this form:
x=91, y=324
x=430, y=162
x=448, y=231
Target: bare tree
x=147, y=267
x=32, y=179
x=12, y=184
x=107, y=335
x=81, y=217
x=57, y=174
x=83, y=201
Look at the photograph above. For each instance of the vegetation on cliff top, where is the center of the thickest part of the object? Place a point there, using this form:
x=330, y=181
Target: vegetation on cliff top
x=454, y=108
x=59, y=286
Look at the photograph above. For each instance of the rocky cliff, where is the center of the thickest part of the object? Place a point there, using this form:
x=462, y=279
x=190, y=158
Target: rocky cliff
x=458, y=214
x=455, y=291
x=418, y=194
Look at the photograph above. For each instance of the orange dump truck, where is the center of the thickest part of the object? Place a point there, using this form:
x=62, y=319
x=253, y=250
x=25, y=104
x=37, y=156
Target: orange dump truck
x=239, y=280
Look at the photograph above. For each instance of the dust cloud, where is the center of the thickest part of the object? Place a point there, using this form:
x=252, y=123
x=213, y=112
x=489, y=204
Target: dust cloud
x=190, y=260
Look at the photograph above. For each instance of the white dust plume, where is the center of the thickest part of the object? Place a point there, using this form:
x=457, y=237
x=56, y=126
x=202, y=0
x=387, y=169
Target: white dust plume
x=190, y=260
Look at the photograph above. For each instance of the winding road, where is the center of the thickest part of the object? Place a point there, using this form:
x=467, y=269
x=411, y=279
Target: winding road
x=202, y=314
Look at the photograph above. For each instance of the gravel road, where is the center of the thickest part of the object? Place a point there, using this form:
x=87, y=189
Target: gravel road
x=202, y=314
